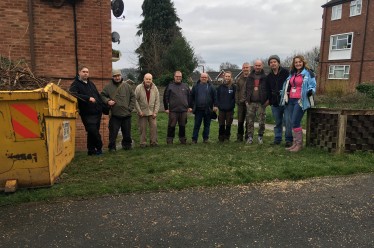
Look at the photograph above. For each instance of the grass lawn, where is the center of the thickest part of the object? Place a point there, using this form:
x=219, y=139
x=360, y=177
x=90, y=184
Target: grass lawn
x=181, y=166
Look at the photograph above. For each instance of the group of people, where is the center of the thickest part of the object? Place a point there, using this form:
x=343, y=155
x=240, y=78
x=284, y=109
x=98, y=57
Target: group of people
x=287, y=92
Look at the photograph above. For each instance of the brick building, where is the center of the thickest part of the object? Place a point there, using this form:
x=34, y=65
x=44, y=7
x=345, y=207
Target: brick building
x=347, y=50
x=55, y=36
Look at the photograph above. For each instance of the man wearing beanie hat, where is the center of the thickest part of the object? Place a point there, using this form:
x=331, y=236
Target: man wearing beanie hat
x=276, y=57
x=274, y=82
x=121, y=98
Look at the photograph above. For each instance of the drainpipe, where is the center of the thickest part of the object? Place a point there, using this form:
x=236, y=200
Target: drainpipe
x=31, y=33
x=364, y=40
x=322, y=47
x=75, y=38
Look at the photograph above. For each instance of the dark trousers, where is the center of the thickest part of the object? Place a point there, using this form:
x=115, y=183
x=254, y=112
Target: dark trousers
x=181, y=119
x=242, y=112
x=201, y=115
x=225, y=119
x=92, y=125
x=123, y=123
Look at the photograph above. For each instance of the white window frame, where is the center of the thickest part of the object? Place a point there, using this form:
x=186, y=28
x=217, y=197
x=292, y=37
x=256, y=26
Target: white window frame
x=336, y=12
x=345, y=69
x=341, y=42
x=355, y=8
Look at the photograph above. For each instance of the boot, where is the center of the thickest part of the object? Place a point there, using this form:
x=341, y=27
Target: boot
x=169, y=140
x=293, y=142
x=228, y=132
x=299, y=142
x=183, y=140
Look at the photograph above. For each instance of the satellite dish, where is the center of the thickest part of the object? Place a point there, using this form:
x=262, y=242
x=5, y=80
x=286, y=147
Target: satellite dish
x=115, y=37
x=117, y=8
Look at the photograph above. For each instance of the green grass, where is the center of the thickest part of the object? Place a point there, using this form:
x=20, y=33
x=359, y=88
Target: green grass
x=182, y=166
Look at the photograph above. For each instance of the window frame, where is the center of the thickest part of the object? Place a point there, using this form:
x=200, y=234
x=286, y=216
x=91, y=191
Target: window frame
x=336, y=12
x=355, y=8
x=346, y=71
x=334, y=45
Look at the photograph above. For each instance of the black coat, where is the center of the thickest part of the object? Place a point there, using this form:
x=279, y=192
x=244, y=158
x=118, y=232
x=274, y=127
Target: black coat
x=83, y=91
x=275, y=84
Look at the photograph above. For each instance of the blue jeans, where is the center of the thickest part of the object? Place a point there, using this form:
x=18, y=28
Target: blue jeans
x=296, y=112
x=199, y=117
x=282, y=118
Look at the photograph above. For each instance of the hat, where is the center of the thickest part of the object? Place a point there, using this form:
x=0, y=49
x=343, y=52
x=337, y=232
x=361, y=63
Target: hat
x=276, y=57
x=116, y=72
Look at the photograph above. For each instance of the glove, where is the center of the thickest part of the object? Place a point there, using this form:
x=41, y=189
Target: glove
x=309, y=93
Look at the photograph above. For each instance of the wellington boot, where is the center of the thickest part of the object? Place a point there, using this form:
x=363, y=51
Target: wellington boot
x=297, y=148
x=293, y=145
x=298, y=142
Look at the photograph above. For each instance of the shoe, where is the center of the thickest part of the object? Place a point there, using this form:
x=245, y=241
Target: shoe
x=99, y=152
x=288, y=144
x=143, y=145
x=194, y=141
x=112, y=150
x=154, y=145
x=275, y=143
x=126, y=147
x=206, y=141
x=260, y=141
x=249, y=141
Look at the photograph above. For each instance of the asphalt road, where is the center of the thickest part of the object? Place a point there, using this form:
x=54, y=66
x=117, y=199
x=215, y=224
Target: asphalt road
x=327, y=212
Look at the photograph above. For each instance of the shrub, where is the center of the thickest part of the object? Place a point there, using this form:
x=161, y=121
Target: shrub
x=367, y=89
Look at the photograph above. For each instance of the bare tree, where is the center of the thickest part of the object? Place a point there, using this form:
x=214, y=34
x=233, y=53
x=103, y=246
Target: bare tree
x=311, y=56
x=228, y=66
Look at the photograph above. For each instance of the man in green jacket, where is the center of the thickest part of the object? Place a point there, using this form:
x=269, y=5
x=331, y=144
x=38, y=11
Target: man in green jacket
x=121, y=98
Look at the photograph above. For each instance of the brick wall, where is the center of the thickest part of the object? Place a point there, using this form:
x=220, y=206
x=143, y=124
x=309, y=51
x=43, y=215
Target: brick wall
x=362, y=61
x=54, y=42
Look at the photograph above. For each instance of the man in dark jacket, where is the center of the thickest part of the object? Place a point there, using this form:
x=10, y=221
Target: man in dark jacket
x=121, y=98
x=204, y=101
x=177, y=102
x=226, y=104
x=274, y=82
x=90, y=109
x=256, y=99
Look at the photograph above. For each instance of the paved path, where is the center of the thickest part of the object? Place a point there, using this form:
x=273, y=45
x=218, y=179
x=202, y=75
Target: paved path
x=327, y=212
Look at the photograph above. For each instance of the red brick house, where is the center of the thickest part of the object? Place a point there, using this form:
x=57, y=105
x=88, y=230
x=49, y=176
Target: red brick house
x=54, y=36
x=347, y=47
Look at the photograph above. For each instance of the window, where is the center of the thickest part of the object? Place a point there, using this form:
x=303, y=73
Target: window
x=356, y=7
x=339, y=71
x=336, y=12
x=341, y=41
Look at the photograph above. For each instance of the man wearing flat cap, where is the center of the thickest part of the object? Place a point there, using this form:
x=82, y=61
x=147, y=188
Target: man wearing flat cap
x=274, y=82
x=121, y=98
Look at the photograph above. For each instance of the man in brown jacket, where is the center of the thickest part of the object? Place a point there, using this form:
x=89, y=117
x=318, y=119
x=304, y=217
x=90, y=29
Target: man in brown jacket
x=147, y=105
x=239, y=99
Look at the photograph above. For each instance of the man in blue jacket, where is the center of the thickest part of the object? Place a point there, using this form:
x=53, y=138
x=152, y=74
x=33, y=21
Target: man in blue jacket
x=204, y=101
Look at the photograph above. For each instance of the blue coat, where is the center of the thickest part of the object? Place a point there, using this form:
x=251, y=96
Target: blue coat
x=309, y=83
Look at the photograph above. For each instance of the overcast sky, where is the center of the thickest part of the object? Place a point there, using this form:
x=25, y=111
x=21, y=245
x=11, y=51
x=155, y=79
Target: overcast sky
x=235, y=31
